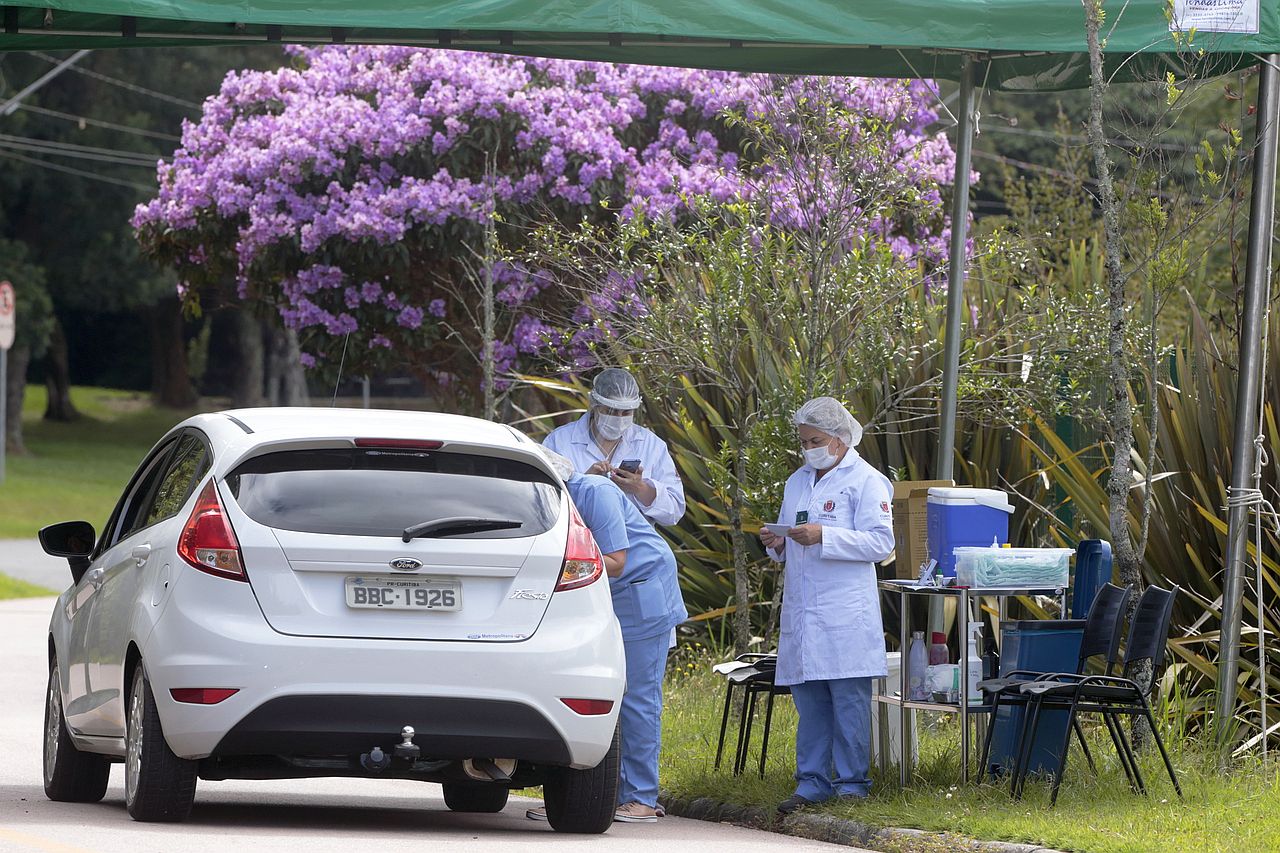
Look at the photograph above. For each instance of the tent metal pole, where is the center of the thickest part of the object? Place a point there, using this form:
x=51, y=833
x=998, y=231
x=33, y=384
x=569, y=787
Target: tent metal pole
x=1248, y=385
x=955, y=276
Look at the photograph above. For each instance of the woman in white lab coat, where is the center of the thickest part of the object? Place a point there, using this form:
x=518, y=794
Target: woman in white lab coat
x=607, y=441
x=837, y=509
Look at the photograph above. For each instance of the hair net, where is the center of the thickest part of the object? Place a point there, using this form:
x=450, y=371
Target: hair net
x=560, y=464
x=829, y=415
x=615, y=388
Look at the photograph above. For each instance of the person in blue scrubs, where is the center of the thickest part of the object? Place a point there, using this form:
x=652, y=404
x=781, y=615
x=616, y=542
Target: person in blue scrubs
x=647, y=603
x=837, y=510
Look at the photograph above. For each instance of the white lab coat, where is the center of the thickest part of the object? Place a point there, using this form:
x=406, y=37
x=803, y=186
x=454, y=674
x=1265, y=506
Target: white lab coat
x=574, y=441
x=831, y=626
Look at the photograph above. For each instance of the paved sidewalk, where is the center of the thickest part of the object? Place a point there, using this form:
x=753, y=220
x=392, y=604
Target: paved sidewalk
x=25, y=560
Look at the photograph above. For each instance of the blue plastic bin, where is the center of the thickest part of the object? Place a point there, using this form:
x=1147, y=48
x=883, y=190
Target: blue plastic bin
x=1043, y=645
x=959, y=517
x=1093, y=570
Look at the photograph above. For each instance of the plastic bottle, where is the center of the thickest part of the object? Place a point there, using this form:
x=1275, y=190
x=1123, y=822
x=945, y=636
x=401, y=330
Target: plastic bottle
x=917, y=660
x=975, y=664
x=990, y=659
x=938, y=652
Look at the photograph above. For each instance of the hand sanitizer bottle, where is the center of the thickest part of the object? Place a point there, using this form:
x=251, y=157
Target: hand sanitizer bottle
x=975, y=664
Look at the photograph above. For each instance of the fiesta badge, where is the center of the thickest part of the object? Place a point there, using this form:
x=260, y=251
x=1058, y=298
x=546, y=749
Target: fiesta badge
x=405, y=564
x=829, y=506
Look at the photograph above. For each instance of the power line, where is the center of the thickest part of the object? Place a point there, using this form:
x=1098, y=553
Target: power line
x=79, y=152
x=123, y=84
x=78, y=172
x=95, y=122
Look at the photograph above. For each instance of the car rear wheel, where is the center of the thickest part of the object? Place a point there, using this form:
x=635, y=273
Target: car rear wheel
x=583, y=800
x=158, y=785
x=70, y=776
x=478, y=797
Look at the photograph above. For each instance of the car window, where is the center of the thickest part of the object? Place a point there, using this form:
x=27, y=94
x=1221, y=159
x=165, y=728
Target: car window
x=379, y=492
x=133, y=512
x=189, y=463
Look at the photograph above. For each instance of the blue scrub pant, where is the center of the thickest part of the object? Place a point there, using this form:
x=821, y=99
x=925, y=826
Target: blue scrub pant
x=834, y=734
x=641, y=719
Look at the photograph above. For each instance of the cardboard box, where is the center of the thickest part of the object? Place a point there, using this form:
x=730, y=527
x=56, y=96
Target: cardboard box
x=911, y=524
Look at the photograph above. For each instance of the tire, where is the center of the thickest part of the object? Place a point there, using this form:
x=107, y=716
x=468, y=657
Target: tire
x=583, y=800
x=158, y=785
x=70, y=776
x=484, y=797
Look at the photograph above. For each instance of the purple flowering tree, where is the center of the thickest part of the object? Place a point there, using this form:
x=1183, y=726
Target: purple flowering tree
x=348, y=191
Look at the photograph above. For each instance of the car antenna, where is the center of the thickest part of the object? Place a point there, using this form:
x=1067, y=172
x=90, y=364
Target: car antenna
x=341, y=364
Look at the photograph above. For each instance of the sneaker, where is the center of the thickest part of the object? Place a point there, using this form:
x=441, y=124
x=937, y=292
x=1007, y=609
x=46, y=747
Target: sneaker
x=539, y=813
x=793, y=803
x=635, y=813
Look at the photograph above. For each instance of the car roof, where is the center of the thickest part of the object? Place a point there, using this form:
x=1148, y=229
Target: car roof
x=284, y=422
x=237, y=434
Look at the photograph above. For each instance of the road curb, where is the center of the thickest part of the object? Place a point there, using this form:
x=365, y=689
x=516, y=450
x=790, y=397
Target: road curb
x=837, y=830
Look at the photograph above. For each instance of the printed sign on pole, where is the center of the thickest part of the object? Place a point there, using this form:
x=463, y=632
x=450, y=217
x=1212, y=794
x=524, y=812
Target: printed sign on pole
x=8, y=307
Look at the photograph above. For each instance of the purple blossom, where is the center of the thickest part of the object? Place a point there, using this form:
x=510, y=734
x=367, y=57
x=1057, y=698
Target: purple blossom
x=317, y=181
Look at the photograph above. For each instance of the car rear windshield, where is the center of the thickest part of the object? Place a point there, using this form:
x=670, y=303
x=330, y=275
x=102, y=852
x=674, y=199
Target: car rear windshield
x=377, y=492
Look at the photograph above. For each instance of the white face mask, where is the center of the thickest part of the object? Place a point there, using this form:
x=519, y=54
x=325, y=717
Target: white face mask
x=820, y=458
x=611, y=427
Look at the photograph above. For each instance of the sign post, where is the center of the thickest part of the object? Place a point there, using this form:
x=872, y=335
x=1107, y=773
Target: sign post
x=8, y=308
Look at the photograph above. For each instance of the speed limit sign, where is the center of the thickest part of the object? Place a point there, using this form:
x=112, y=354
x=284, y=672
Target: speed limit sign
x=8, y=306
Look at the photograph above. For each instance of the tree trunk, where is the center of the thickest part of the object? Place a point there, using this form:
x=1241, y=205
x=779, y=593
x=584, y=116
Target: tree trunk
x=170, y=377
x=248, y=381
x=57, y=377
x=1121, y=414
x=741, y=579
x=286, y=379
x=15, y=390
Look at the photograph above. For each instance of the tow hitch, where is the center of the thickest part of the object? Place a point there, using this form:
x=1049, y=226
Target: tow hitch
x=406, y=752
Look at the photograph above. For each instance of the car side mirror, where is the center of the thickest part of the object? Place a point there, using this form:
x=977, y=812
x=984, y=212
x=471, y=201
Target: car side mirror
x=71, y=539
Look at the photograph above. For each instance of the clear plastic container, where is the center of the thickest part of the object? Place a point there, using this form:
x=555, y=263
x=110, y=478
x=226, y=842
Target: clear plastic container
x=1013, y=567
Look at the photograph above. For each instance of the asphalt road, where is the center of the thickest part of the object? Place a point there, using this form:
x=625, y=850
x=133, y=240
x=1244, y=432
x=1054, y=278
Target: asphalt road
x=315, y=815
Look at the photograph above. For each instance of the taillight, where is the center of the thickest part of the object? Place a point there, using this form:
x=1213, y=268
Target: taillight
x=207, y=542
x=582, y=561
x=589, y=707
x=202, y=695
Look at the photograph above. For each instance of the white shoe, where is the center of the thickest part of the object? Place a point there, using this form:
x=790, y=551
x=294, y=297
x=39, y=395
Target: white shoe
x=635, y=813
x=539, y=813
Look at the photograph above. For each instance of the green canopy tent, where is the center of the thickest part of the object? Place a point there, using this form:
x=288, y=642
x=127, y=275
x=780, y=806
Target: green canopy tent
x=1012, y=45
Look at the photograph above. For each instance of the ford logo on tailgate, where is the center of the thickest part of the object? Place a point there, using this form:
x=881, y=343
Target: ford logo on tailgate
x=406, y=564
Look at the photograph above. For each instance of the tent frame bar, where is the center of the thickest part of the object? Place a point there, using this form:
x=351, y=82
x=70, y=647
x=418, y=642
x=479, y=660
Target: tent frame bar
x=944, y=464
x=1248, y=388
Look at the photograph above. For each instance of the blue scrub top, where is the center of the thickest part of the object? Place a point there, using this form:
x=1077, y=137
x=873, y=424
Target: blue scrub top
x=646, y=596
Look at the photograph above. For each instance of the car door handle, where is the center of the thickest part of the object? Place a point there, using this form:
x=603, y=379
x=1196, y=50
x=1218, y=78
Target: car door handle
x=94, y=577
x=140, y=554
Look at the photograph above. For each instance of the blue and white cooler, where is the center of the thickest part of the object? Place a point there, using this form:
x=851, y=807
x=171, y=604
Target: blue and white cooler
x=959, y=517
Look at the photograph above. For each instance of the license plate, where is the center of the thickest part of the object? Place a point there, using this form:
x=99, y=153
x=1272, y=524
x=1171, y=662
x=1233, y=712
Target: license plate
x=399, y=593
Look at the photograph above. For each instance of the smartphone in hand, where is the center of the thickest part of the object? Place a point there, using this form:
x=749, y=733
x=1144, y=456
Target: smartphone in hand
x=630, y=465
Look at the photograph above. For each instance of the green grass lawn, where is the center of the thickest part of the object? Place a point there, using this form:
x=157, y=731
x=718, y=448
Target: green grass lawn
x=14, y=588
x=77, y=470
x=1098, y=814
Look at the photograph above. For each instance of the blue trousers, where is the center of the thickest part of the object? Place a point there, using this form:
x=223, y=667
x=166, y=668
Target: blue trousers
x=641, y=719
x=834, y=736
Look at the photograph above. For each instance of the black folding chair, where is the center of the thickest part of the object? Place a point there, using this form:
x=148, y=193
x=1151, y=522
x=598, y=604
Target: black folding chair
x=1108, y=695
x=1101, y=637
x=755, y=679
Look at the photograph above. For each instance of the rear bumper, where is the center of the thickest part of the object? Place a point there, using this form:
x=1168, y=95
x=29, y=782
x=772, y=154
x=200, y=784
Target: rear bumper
x=332, y=696
x=349, y=725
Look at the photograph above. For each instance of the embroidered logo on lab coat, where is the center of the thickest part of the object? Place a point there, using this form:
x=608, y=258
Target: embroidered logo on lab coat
x=829, y=506
x=884, y=506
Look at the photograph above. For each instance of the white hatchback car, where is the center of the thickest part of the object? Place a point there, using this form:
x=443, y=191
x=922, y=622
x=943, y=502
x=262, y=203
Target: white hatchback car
x=285, y=593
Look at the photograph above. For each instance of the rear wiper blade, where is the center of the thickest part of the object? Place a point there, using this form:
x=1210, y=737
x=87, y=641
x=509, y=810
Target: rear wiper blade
x=458, y=524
